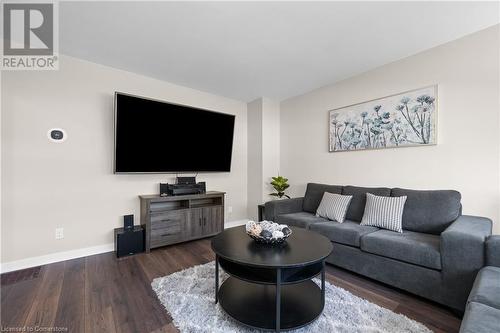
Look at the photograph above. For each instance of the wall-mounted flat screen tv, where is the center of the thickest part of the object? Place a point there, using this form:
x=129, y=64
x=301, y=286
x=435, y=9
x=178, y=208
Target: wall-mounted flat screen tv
x=158, y=137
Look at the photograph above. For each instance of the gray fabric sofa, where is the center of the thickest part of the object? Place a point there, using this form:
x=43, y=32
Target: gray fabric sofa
x=482, y=314
x=437, y=256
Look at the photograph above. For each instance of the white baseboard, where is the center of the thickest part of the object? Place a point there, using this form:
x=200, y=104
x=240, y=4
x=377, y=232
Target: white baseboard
x=73, y=254
x=54, y=257
x=233, y=224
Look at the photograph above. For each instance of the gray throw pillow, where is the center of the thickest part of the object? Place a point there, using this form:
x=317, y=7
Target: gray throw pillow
x=334, y=206
x=384, y=212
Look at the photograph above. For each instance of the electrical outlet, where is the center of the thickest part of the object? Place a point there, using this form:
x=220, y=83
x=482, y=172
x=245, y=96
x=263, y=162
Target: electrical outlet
x=59, y=233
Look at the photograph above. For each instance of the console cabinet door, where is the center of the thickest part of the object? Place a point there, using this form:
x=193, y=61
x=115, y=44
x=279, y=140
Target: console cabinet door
x=213, y=220
x=194, y=225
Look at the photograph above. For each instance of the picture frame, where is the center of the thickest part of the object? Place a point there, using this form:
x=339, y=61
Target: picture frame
x=406, y=119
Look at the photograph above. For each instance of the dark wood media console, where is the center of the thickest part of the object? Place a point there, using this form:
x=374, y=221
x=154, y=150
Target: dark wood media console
x=174, y=219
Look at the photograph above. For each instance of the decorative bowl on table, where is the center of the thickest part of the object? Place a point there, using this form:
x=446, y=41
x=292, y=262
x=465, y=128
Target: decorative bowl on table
x=268, y=232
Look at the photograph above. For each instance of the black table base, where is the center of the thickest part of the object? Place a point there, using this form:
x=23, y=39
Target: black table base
x=272, y=299
x=270, y=286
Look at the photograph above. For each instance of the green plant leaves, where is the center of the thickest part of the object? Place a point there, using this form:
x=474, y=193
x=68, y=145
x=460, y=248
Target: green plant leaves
x=280, y=184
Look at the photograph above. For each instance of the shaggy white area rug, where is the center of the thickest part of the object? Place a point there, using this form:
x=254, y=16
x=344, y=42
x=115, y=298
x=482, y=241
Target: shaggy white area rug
x=188, y=296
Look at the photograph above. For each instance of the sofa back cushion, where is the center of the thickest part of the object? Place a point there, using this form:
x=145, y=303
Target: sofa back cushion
x=314, y=194
x=431, y=211
x=358, y=202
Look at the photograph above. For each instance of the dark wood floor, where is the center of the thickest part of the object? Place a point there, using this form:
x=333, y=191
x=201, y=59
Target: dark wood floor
x=102, y=294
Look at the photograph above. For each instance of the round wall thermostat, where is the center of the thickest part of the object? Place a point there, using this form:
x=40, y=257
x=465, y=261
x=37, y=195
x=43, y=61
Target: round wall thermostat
x=57, y=135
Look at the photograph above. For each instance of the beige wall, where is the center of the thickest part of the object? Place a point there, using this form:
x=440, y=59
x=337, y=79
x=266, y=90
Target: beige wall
x=467, y=155
x=254, y=126
x=47, y=185
x=263, y=151
x=270, y=145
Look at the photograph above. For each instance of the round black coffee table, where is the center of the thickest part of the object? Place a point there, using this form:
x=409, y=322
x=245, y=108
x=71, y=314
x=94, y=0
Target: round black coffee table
x=270, y=286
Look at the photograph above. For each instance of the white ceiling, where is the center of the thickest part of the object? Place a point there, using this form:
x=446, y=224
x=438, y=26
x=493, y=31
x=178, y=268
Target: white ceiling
x=245, y=50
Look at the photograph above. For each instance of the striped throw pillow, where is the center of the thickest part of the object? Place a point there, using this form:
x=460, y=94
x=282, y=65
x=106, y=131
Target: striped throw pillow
x=334, y=206
x=384, y=212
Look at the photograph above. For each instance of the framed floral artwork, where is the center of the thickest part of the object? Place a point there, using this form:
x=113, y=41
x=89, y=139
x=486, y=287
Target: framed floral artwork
x=401, y=120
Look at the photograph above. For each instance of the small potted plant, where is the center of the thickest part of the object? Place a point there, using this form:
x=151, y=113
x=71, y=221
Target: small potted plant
x=280, y=184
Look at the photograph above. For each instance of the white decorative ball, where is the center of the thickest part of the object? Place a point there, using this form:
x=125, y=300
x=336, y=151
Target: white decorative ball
x=278, y=234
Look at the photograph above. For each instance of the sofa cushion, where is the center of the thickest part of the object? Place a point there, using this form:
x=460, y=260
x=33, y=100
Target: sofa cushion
x=429, y=211
x=480, y=318
x=347, y=233
x=358, y=202
x=314, y=194
x=302, y=219
x=486, y=287
x=411, y=247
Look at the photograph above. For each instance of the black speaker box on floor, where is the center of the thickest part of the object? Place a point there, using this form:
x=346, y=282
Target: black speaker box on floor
x=129, y=242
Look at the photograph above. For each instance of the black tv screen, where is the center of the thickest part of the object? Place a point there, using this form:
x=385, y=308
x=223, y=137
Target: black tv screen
x=158, y=137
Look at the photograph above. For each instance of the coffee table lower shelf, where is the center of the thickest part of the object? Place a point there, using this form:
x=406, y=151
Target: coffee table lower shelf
x=253, y=304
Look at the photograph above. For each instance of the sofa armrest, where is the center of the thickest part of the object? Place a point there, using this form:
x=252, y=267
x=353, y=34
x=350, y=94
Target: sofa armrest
x=463, y=255
x=277, y=207
x=462, y=243
x=493, y=251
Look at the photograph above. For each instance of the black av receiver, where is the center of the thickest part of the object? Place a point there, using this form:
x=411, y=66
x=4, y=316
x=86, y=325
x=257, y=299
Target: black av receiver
x=182, y=189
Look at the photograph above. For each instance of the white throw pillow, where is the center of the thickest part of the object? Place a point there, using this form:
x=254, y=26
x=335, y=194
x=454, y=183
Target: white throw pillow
x=384, y=212
x=334, y=206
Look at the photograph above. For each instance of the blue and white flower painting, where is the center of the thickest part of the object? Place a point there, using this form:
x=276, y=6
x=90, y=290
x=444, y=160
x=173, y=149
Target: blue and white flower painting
x=407, y=119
